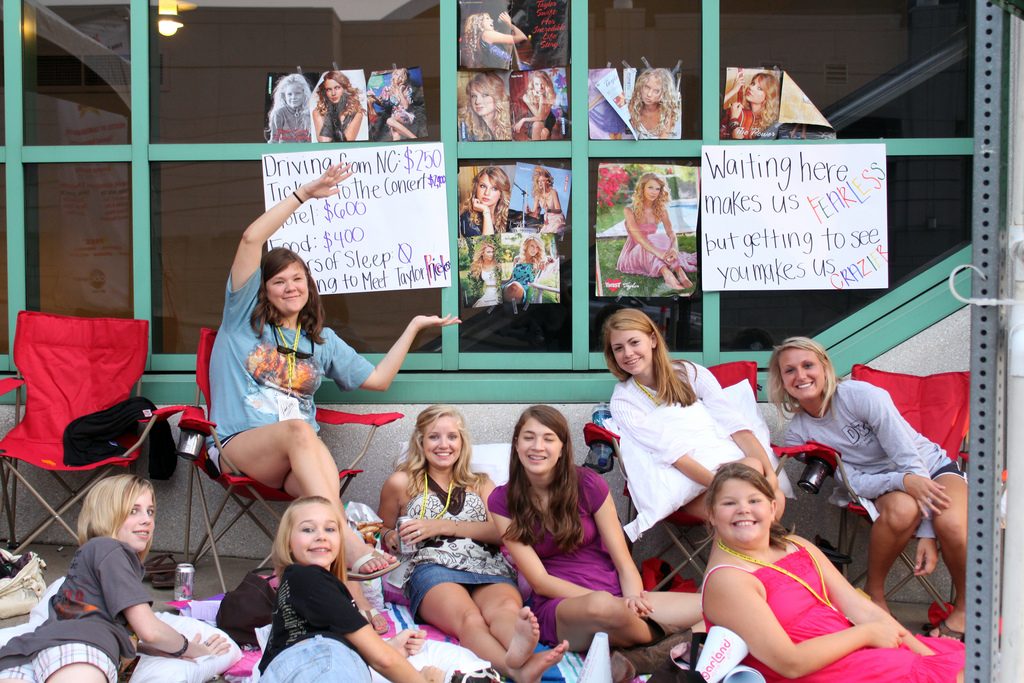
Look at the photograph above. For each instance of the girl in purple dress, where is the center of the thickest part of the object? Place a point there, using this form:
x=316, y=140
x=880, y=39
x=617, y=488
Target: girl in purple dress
x=560, y=525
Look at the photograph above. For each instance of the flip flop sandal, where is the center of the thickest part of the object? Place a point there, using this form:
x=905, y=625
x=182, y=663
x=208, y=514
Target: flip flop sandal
x=375, y=619
x=159, y=569
x=355, y=575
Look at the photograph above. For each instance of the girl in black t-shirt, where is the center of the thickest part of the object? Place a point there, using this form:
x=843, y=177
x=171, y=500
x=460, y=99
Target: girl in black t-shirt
x=317, y=630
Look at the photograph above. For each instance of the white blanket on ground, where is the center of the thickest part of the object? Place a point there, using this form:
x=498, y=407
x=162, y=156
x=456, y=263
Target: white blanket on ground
x=149, y=669
x=658, y=489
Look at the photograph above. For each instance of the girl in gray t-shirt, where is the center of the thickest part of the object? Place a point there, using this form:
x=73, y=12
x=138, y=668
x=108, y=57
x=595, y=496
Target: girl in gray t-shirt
x=910, y=479
x=102, y=605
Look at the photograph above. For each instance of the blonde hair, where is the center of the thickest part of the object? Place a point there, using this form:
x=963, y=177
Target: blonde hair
x=281, y=553
x=487, y=83
x=476, y=268
x=671, y=382
x=537, y=261
x=107, y=506
x=660, y=206
x=777, y=393
x=502, y=182
x=769, y=113
x=415, y=465
x=472, y=38
x=540, y=172
x=669, y=106
x=547, y=88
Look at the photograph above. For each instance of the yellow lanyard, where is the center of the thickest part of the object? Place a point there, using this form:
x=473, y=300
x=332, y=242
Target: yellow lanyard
x=645, y=390
x=423, y=507
x=290, y=357
x=822, y=597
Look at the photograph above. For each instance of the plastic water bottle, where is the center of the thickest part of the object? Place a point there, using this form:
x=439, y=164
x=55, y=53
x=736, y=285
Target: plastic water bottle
x=602, y=413
x=599, y=458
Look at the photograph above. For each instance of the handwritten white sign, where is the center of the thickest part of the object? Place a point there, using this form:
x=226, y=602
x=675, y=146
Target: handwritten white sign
x=387, y=228
x=794, y=217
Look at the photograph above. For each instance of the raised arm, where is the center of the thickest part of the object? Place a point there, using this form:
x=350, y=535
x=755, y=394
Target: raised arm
x=250, y=248
x=382, y=376
x=499, y=38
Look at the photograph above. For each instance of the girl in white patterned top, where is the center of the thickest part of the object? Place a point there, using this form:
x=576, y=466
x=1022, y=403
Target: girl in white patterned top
x=459, y=582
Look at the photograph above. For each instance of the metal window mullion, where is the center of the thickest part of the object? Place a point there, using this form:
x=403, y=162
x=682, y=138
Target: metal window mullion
x=579, y=71
x=14, y=136
x=142, y=295
x=710, y=68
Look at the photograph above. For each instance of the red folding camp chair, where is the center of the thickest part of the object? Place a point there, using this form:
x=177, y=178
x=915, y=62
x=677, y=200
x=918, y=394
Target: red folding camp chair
x=68, y=367
x=687, y=533
x=937, y=406
x=242, y=490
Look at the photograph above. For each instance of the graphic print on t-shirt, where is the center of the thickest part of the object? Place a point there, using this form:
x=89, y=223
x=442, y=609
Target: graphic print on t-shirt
x=855, y=431
x=268, y=367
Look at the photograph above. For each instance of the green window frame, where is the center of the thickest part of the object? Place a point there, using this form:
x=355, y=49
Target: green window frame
x=579, y=375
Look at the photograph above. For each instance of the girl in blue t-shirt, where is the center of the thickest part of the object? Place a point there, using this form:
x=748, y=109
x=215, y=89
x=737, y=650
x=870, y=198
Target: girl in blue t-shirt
x=271, y=352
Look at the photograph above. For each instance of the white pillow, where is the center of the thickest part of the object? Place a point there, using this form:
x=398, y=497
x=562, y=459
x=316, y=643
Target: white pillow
x=168, y=670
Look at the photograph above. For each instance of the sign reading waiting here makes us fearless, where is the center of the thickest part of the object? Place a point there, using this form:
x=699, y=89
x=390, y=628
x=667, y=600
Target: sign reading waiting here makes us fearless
x=794, y=217
x=387, y=228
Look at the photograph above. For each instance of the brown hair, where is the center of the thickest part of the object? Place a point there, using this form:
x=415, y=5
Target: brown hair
x=672, y=384
x=777, y=533
x=562, y=515
x=311, y=317
x=777, y=393
x=281, y=551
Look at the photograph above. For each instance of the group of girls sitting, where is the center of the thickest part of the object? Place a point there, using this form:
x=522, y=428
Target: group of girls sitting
x=557, y=521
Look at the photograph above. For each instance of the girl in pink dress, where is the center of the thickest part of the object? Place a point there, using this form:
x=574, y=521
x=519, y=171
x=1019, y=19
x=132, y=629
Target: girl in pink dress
x=646, y=252
x=800, y=618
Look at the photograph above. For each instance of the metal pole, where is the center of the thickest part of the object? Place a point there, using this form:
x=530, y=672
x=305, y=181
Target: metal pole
x=1011, y=664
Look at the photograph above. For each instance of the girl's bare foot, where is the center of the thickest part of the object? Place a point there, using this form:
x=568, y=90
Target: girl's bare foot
x=670, y=279
x=524, y=639
x=538, y=663
x=683, y=280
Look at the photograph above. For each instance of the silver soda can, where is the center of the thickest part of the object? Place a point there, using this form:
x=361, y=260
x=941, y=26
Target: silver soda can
x=404, y=547
x=184, y=581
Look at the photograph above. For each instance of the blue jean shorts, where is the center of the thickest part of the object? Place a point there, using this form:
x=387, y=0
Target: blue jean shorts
x=317, y=659
x=427, y=575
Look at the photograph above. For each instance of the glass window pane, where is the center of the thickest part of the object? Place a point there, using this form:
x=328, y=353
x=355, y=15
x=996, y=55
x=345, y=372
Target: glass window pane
x=222, y=55
x=664, y=32
x=77, y=73
x=929, y=217
x=199, y=211
x=78, y=236
x=4, y=337
x=681, y=319
x=881, y=68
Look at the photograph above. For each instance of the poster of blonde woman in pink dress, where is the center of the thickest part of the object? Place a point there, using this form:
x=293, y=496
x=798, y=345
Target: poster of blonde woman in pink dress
x=646, y=230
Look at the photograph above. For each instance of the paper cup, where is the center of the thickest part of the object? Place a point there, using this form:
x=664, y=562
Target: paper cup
x=597, y=668
x=723, y=651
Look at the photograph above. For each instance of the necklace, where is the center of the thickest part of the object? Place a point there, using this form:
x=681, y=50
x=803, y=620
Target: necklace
x=821, y=597
x=646, y=391
x=290, y=358
x=423, y=507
